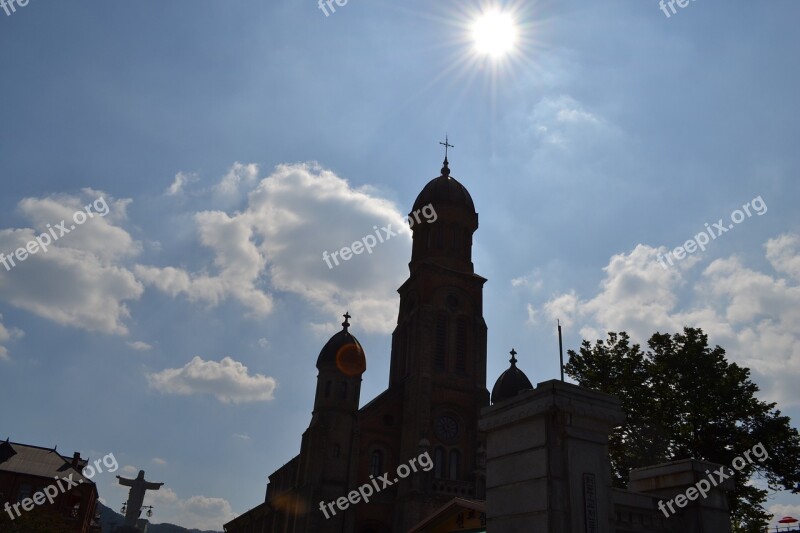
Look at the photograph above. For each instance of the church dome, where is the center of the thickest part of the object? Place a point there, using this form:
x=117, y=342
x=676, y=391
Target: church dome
x=343, y=351
x=511, y=382
x=444, y=190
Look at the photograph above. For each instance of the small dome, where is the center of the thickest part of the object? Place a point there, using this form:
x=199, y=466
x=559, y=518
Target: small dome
x=343, y=351
x=511, y=382
x=444, y=190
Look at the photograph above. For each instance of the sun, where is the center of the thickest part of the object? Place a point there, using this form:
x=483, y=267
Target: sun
x=494, y=33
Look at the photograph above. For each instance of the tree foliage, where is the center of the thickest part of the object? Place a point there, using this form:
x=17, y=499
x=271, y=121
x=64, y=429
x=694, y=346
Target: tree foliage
x=685, y=400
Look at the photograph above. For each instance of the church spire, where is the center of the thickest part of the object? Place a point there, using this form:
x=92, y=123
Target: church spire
x=446, y=167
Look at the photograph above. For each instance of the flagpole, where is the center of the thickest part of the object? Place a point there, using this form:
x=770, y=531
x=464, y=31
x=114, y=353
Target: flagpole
x=560, y=350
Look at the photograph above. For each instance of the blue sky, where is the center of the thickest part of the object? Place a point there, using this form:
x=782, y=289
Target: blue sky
x=234, y=142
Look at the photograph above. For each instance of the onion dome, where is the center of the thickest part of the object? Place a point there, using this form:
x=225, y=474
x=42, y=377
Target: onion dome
x=344, y=352
x=511, y=382
x=444, y=190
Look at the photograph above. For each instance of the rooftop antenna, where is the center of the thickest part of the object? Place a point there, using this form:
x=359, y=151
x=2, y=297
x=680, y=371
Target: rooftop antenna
x=560, y=349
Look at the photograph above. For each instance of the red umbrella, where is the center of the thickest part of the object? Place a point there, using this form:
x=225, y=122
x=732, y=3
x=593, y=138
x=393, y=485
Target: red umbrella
x=787, y=520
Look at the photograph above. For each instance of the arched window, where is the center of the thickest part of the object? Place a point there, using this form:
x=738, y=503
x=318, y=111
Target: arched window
x=441, y=343
x=376, y=463
x=438, y=463
x=455, y=464
x=406, y=350
x=327, y=389
x=436, y=237
x=343, y=390
x=461, y=345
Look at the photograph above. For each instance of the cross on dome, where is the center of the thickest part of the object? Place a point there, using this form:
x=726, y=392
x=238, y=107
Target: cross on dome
x=446, y=144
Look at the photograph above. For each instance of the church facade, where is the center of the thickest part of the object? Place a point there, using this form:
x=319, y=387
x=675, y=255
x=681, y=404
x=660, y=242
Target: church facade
x=439, y=457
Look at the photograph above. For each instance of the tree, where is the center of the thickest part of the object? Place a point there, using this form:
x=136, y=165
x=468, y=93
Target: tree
x=685, y=400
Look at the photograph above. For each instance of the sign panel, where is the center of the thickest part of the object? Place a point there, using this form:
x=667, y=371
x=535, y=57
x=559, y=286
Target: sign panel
x=590, y=502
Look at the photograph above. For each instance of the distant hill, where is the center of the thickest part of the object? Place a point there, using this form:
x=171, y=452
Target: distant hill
x=109, y=518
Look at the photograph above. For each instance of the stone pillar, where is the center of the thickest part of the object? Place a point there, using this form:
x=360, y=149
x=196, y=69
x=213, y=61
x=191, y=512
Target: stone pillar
x=670, y=482
x=547, y=464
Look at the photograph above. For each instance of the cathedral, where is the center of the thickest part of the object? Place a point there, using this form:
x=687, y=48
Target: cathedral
x=430, y=454
x=437, y=387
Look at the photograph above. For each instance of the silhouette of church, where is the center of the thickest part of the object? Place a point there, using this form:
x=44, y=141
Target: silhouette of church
x=437, y=387
x=536, y=460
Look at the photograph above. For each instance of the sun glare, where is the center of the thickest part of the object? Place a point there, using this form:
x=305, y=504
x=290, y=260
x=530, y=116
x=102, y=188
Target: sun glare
x=495, y=34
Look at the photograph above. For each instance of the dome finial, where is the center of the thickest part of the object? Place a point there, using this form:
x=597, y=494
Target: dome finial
x=513, y=359
x=346, y=323
x=446, y=144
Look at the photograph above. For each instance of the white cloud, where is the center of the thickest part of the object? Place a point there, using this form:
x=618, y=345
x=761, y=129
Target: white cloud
x=754, y=315
x=99, y=235
x=235, y=184
x=533, y=314
x=783, y=253
x=300, y=211
x=159, y=461
x=139, y=346
x=129, y=469
x=175, y=281
x=562, y=121
x=532, y=281
x=7, y=334
x=78, y=281
x=227, y=380
x=241, y=436
x=778, y=511
x=263, y=343
x=180, y=181
x=277, y=241
x=195, y=512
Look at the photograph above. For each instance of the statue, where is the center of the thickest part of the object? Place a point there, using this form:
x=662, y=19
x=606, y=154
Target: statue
x=136, y=496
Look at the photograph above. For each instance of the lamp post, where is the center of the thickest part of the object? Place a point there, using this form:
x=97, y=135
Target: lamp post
x=149, y=509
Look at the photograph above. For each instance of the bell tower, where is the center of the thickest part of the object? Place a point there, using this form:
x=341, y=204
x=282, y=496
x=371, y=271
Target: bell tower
x=326, y=469
x=439, y=348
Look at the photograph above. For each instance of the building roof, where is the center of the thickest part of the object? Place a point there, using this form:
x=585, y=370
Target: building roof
x=40, y=462
x=344, y=351
x=448, y=511
x=444, y=190
x=511, y=382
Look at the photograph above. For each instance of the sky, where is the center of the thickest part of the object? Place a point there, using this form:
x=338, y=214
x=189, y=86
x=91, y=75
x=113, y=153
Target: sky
x=222, y=147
